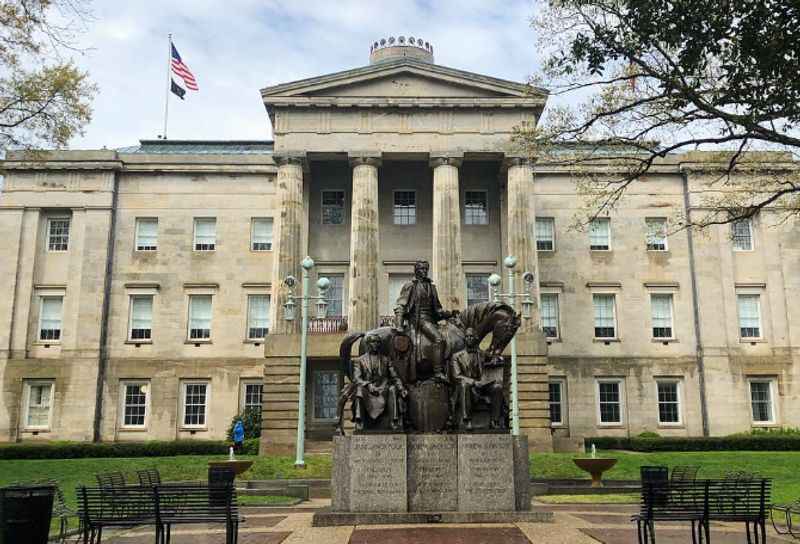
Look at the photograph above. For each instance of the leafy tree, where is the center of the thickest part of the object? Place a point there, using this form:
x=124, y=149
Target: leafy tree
x=648, y=78
x=44, y=98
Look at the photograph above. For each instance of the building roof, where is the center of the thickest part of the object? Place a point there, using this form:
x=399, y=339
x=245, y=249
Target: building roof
x=201, y=147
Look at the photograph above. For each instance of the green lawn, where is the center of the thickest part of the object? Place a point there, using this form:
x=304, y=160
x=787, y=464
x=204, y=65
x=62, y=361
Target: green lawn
x=783, y=467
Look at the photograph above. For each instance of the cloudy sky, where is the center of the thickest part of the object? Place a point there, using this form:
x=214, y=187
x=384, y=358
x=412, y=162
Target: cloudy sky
x=236, y=47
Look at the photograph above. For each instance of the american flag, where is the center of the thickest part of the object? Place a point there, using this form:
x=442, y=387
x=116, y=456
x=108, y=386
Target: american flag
x=181, y=70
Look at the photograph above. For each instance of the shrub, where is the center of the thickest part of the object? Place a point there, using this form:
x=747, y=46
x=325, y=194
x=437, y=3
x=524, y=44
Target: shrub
x=251, y=419
x=742, y=442
x=74, y=450
x=648, y=434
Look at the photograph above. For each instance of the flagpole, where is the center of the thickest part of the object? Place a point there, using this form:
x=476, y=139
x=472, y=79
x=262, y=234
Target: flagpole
x=169, y=71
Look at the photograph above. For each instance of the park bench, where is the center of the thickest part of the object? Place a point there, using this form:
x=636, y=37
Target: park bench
x=190, y=504
x=121, y=507
x=703, y=501
x=684, y=473
x=149, y=477
x=161, y=506
x=111, y=479
x=786, y=511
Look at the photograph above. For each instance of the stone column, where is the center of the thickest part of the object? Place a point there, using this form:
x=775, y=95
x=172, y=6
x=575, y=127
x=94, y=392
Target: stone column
x=521, y=230
x=447, y=272
x=364, y=237
x=282, y=345
x=532, y=366
x=288, y=239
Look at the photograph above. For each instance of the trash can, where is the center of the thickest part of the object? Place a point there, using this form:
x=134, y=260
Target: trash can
x=25, y=513
x=220, y=484
x=654, y=482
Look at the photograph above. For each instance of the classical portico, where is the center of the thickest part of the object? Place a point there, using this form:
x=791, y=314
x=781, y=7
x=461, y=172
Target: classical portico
x=379, y=165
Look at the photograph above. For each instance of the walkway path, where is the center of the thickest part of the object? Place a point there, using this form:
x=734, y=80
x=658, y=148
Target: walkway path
x=573, y=524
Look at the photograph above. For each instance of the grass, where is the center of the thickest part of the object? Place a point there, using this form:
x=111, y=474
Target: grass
x=782, y=467
x=611, y=498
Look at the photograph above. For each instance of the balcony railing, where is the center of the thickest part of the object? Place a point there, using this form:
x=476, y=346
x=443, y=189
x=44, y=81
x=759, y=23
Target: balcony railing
x=327, y=325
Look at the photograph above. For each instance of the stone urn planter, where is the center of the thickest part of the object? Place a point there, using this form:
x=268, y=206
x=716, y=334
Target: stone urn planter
x=595, y=466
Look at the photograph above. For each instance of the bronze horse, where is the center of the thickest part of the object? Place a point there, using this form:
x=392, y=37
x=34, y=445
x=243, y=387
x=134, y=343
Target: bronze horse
x=499, y=320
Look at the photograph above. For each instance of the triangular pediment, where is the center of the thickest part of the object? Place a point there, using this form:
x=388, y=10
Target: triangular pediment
x=404, y=79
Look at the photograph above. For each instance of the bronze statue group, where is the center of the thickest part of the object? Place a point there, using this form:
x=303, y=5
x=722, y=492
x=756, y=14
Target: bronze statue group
x=420, y=376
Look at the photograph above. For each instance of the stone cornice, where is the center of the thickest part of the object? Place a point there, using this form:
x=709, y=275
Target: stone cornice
x=404, y=102
x=407, y=65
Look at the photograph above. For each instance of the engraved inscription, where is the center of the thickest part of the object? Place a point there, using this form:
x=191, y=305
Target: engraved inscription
x=485, y=478
x=432, y=473
x=378, y=473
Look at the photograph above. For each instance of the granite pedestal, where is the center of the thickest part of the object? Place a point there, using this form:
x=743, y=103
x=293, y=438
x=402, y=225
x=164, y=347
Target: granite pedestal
x=428, y=478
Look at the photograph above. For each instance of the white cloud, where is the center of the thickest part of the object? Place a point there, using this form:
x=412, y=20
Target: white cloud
x=237, y=47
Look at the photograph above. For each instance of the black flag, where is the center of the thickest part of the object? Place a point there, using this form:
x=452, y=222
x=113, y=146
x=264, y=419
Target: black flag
x=176, y=89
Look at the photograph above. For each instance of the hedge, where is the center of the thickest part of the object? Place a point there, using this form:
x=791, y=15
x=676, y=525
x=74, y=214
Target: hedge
x=75, y=450
x=756, y=442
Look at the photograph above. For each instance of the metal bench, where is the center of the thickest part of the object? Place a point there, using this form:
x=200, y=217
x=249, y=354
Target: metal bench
x=103, y=507
x=179, y=505
x=684, y=473
x=703, y=501
x=161, y=506
x=149, y=477
x=111, y=479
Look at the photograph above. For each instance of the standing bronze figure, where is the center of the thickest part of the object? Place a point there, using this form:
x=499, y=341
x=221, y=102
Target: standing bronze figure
x=417, y=313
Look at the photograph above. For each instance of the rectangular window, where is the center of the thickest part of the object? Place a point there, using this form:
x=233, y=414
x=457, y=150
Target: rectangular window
x=656, y=233
x=335, y=295
x=545, y=234
x=326, y=393
x=205, y=234
x=251, y=396
x=199, y=317
x=761, y=401
x=195, y=404
x=549, y=315
x=257, y=316
x=742, y=234
x=332, y=207
x=134, y=404
x=669, y=402
x=146, y=234
x=661, y=306
x=50, y=318
x=477, y=289
x=609, y=397
x=396, y=282
x=749, y=316
x=476, y=208
x=58, y=234
x=405, y=208
x=605, y=319
x=261, y=235
x=38, y=404
x=556, y=390
x=141, y=319
x=600, y=234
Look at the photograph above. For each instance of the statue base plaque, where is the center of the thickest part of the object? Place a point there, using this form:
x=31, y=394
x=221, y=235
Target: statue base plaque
x=429, y=478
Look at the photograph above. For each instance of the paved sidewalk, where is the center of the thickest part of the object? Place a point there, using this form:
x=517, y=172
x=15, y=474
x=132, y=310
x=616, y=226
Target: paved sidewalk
x=573, y=524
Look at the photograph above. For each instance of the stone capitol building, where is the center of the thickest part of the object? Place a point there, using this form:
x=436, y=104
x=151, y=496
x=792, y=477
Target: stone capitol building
x=142, y=287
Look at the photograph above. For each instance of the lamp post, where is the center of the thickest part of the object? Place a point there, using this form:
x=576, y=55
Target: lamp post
x=527, y=310
x=289, y=309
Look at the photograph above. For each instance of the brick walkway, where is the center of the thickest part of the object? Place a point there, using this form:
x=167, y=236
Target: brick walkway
x=573, y=524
